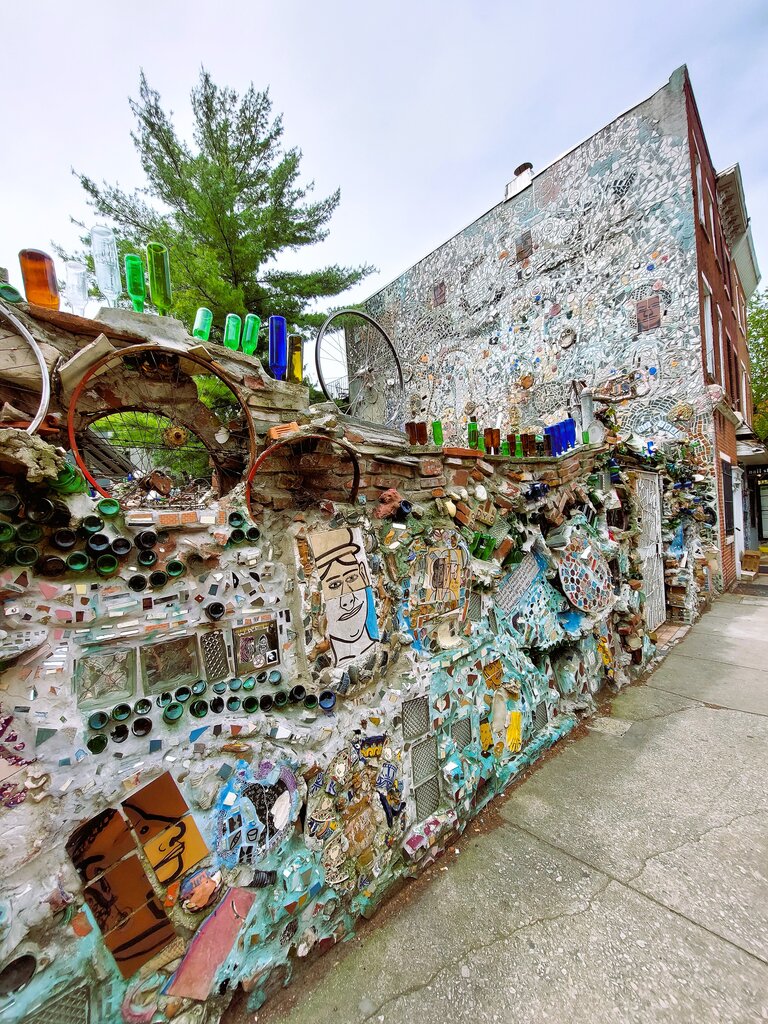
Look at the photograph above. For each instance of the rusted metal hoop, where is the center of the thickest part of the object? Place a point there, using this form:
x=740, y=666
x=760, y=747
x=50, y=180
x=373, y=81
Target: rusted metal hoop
x=133, y=350
x=304, y=437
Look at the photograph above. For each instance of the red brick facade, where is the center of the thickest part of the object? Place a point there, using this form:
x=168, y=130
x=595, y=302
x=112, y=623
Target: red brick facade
x=722, y=308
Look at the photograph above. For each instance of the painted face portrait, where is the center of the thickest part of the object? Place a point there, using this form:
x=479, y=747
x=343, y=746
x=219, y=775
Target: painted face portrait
x=341, y=564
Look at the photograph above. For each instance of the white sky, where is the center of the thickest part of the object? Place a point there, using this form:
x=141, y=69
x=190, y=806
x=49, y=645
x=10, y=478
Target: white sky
x=419, y=110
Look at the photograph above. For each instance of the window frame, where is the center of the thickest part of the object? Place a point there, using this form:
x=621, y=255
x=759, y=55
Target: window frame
x=720, y=350
x=699, y=175
x=727, y=496
x=709, y=334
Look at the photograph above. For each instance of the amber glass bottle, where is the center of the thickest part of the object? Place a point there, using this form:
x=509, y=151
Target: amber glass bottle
x=39, y=276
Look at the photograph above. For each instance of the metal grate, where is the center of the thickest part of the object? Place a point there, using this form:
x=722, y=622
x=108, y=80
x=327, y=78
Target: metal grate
x=475, y=607
x=540, y=717
x=461, y=732
x=415, y=717
x=71, y=1007
x=424, y=760
x=427, y=797
x=214, y=656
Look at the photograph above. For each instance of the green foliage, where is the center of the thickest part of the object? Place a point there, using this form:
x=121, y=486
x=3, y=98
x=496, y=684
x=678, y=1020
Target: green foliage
x=757, y=338
x=140, y=435
x=226, y=205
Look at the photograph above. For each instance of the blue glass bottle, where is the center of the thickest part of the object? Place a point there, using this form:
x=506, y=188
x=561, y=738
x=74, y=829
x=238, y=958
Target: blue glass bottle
x=278, y=346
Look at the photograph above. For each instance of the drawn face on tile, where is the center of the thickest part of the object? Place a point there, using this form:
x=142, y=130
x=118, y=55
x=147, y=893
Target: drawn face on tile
x=152, y=809
x=173, y=852
x=99, y=843
x=119, y=893
x=140, y=938
x=343, y=569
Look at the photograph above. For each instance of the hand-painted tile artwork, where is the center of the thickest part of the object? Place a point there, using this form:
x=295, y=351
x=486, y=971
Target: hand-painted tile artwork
x=228, y=742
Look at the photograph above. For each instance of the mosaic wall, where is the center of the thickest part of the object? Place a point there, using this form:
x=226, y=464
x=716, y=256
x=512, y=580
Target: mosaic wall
x=207, y=782
x=588, y=275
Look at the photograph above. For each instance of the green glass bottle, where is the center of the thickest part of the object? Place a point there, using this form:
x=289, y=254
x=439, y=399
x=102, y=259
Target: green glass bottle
x=159, y=276
x=437, y=433
x=232, y=327
x=473, y=432
x=134, y=281
x=251, y=329
x=203, y=321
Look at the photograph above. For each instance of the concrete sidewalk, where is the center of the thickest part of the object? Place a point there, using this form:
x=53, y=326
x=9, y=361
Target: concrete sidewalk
x=625, y=880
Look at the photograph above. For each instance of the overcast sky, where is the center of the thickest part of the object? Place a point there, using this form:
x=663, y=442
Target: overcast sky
x=418, y=109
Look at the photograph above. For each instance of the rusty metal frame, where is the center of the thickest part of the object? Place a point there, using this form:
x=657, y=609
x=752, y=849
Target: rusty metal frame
x=259, y=462
x=133, y=350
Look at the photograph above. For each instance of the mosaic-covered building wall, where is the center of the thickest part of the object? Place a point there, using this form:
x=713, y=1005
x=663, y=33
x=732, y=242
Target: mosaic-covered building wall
x=588, y=274
x=222, y=750
x=586, y=278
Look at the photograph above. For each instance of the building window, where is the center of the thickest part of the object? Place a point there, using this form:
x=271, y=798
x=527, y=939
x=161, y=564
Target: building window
x=744, y=394
x=438, y=293
x=727, y=481
x=648, y=314
x=720, y=350
x=727, y=274
x=524, y=246
x=699, y=190
x=709, y=336
x=733, y=391
x=712, y=218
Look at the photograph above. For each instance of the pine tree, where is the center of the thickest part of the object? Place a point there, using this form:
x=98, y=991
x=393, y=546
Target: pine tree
x=226, y=205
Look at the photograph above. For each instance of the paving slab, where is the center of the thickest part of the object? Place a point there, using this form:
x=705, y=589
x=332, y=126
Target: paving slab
x=731, y=686
x=719, y=880
x=727, y=625
x=729, y=650
x=623, y=959
x=639, y=703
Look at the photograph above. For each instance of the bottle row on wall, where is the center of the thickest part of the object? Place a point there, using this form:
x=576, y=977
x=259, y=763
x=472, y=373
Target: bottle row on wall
x=286, y=352
x=286, y=355
x=42, y=287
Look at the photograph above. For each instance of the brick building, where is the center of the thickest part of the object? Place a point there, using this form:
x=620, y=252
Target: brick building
x=626, y=265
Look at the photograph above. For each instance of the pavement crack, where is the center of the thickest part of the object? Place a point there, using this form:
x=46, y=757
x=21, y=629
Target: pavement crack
x=480, y=947
x=703, y=703
x=688, y=842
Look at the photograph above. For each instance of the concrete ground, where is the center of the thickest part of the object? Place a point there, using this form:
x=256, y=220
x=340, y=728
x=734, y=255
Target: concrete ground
x=625, y=880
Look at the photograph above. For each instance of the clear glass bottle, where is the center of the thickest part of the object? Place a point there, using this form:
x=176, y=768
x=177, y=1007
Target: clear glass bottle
x=77, y=286
x=105, y=262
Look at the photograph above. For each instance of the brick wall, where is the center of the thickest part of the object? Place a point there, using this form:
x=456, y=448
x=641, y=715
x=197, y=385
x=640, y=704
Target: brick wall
x=725, y=443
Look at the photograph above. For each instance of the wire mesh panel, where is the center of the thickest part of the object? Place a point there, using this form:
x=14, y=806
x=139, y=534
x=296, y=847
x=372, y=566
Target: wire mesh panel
x=475, y=607
x=424, y=760
x=415, y=717
x=214, y=656
x=540, y=717
x=71, y=1007
x=461, y=732
x=427, y=797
